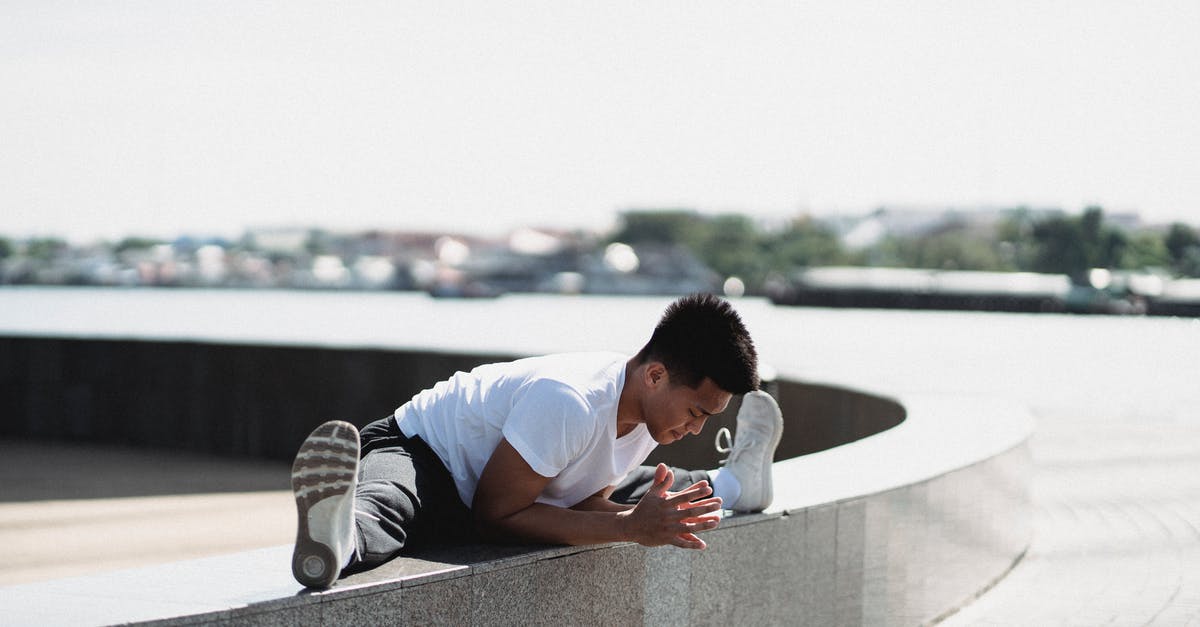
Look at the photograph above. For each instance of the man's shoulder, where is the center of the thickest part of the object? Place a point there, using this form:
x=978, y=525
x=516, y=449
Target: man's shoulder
x=575, y=357
x=580, y=369
x=593, y=380
x=586, y=373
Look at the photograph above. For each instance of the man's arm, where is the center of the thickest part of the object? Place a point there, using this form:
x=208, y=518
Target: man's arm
x=599, y=502
x=505, y=508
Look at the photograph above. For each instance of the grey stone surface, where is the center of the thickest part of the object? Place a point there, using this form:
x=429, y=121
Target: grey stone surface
x=424, y=570
x=797, y=604
x=777, y=596
x=592, y=587
x=878, y=557
x=613, y=574
x=665, y=590
x=278, y=617
x=484, y=558
x=507, y=597
x=1116, y=520
x=737, y=579
x=850, y=552
x=929, y=548
x=820, y=574
x=377, y=608
x=907, y=542
x=442, y=603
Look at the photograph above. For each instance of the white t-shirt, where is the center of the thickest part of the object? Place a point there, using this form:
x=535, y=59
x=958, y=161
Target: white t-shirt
x=558, y=411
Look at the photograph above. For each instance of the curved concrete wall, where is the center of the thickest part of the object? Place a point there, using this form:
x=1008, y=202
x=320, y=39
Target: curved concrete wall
x=900, y=528
x=261, y=401
x=225, y=399
x=907, y=509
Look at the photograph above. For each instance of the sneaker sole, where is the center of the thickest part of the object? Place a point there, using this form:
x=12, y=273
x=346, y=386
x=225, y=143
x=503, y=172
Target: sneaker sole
x=326, y=467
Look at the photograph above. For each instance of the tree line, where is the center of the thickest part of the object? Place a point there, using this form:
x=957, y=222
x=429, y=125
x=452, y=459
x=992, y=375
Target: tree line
x=734, y=244
x=1022, y=241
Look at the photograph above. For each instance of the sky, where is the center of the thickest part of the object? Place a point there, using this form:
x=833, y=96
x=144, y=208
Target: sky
x=159, y=118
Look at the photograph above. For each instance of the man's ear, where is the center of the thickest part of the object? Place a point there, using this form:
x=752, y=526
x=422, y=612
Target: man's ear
x=656, y=374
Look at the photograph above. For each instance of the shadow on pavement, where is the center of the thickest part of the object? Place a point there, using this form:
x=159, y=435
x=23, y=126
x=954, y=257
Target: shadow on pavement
x=45, y=470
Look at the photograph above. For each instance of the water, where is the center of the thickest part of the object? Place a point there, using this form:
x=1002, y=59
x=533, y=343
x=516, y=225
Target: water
x=1124, y=367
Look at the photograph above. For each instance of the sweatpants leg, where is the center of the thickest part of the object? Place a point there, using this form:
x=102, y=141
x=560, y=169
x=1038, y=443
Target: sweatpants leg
x=405, y=497
x=639, y=481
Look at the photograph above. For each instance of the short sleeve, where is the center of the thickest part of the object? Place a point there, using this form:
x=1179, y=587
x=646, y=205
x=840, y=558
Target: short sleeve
x=550, y=426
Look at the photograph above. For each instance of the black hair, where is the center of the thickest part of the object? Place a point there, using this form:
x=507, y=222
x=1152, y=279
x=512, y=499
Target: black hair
x=702, y=336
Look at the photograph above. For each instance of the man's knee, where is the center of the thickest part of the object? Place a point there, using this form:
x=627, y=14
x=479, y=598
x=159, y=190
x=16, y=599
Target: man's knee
x=387, y=500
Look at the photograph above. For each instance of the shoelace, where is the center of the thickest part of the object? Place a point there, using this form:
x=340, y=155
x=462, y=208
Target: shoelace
x=728, y=447
x=723, y=432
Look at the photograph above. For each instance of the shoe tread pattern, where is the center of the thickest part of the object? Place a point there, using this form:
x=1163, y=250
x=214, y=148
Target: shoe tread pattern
x=325, y=467
x=326, y=463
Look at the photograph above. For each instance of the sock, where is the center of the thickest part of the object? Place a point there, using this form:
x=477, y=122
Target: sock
x=726, y=486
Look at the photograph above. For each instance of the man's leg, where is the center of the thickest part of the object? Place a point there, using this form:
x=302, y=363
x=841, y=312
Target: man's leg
x=405, y=496
x=359, y=513
x=638, y=482
x=745, y=479
x=744, y=482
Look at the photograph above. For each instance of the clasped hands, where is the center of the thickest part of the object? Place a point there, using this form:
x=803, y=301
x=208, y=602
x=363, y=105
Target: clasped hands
x=674, y=518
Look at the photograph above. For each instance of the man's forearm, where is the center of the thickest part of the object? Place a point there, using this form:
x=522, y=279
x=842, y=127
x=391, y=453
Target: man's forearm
x=505, y=508
x=597, y=503
x=556, y=525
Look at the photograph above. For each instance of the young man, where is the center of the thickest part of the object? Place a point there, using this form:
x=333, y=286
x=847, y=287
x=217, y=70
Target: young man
x=545, y=449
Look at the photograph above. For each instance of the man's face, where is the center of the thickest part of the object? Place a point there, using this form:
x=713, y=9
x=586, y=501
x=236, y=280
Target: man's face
x=673, y=411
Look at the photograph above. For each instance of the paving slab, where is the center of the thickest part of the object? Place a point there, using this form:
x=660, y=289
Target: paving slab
x=1116, y=528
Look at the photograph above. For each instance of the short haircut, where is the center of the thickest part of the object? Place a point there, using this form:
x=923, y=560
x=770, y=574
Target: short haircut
x=702, y=336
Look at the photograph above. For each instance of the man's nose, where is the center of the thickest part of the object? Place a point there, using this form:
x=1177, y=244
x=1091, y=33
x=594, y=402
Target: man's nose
x=695, y=426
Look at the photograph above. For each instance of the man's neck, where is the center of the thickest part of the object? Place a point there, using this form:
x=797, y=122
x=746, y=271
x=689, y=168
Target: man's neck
x=629, y=407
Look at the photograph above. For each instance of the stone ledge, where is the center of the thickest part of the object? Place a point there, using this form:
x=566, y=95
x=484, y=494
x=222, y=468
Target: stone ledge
x=902, y=526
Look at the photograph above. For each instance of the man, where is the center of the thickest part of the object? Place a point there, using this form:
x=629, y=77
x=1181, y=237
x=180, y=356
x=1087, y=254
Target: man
x=545, y=449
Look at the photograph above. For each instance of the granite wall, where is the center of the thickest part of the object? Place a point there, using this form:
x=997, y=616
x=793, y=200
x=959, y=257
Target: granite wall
x=907, y=556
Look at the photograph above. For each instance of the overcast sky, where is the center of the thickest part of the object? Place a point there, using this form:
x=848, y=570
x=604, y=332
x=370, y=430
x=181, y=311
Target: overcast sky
x=209, y=117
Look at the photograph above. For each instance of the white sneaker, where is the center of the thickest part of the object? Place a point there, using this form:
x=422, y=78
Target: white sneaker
x=324, y=477
x=759, y=427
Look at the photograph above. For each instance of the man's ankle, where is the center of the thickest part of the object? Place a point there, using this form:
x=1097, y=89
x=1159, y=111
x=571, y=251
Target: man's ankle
x=725, y=486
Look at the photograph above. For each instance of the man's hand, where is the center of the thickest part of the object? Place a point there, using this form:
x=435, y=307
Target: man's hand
x=663, y=517
x=505, y=509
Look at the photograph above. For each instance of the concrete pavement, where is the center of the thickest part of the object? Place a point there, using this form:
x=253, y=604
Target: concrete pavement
x=73, y=510
x=1116, y=528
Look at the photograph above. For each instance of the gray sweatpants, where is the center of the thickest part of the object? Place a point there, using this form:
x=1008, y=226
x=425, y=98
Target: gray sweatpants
x=406, y=497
